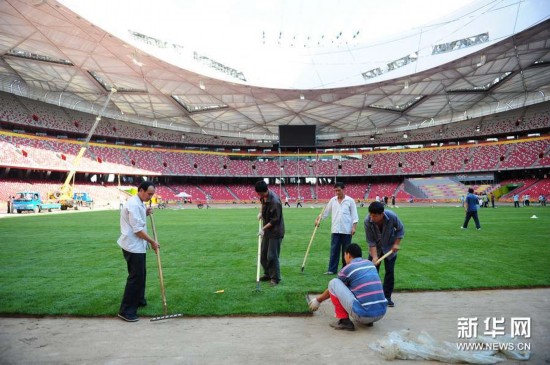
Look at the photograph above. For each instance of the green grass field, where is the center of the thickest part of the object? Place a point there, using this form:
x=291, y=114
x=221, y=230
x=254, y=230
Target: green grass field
x=70, y=264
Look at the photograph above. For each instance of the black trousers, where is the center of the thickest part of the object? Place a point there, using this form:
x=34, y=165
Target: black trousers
x=269, y=257
x=389, y=276
x=467, y=219
x=134, y=292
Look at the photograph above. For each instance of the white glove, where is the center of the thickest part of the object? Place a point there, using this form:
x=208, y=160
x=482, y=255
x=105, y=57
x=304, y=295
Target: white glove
x=261, y=232
x=314, y=305
x=259, y=216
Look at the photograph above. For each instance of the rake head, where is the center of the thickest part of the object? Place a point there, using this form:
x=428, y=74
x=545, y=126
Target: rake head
x=258, y=289
x=169, y=316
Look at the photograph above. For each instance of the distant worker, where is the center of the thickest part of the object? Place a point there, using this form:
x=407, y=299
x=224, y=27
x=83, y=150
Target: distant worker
x=272, y=232
x=516, y=200
x=299, y=202
x=344, y=223
x=384, y=231
x=470, y=206
x=133, y=242
x=286, y=201
x=356, y=292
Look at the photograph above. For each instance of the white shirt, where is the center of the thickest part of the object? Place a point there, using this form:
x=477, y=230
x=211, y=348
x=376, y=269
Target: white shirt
x=133, y=218
x=344, y=214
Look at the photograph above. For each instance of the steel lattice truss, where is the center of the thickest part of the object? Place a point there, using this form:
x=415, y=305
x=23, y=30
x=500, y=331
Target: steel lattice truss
x=51, y=54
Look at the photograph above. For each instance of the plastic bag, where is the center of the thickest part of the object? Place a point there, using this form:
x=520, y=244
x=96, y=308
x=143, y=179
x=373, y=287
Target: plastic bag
x=407, y=345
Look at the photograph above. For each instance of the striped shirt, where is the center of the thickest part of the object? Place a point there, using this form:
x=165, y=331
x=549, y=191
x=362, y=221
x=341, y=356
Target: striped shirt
x=361, y=277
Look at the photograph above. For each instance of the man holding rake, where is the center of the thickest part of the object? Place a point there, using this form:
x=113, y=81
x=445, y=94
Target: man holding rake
x=344, y=222
x=133, y=242
x=272, y=232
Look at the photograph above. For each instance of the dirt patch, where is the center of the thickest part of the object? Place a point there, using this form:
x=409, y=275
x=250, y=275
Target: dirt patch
x=269, y=340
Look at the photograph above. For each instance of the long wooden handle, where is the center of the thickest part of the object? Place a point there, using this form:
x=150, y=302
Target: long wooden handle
x=259, y=252
x=162, y=291
x=383, y=257
x=312, y=237
x=309, y=246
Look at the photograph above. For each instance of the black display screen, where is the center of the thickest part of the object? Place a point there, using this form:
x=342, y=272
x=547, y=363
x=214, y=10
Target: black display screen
x=297, y=136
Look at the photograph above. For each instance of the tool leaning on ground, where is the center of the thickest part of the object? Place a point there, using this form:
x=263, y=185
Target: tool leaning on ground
x=311, y=240
x=162, y=291
x=259, y=253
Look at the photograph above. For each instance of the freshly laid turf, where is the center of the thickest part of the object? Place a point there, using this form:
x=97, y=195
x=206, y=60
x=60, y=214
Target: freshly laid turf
x=70, y=264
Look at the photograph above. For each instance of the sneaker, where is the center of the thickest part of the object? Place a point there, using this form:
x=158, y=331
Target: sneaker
x=128, y=318
x=274, y=282
x=343, y=324
x=390, y=303
x=265, y=278
x=329, y=273
x=370, y=324
x=142, y=303
x=479, y=229
x=462, y=227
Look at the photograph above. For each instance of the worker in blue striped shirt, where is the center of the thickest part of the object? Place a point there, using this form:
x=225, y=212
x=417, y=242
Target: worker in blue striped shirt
x=357, y=292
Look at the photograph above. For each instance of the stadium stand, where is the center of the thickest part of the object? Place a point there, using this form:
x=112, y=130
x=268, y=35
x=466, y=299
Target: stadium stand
x=243, y=192
x=382, y=189
x=29, y=151
x=439, y=188
x=386, y=163
x=217, y=192
x=450, y=160
x=42, y=137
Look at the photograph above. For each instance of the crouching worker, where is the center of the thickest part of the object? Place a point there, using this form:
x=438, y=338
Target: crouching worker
x=357, y=292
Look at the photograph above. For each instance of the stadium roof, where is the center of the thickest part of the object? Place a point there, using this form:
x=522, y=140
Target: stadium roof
x=496, y=59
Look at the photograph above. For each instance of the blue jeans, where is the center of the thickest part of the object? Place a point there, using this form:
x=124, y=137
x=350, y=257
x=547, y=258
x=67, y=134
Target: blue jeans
x=338, y=243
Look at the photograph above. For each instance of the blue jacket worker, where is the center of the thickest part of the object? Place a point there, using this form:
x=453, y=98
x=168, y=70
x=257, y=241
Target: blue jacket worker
x=470, y=206
x=384, y=231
